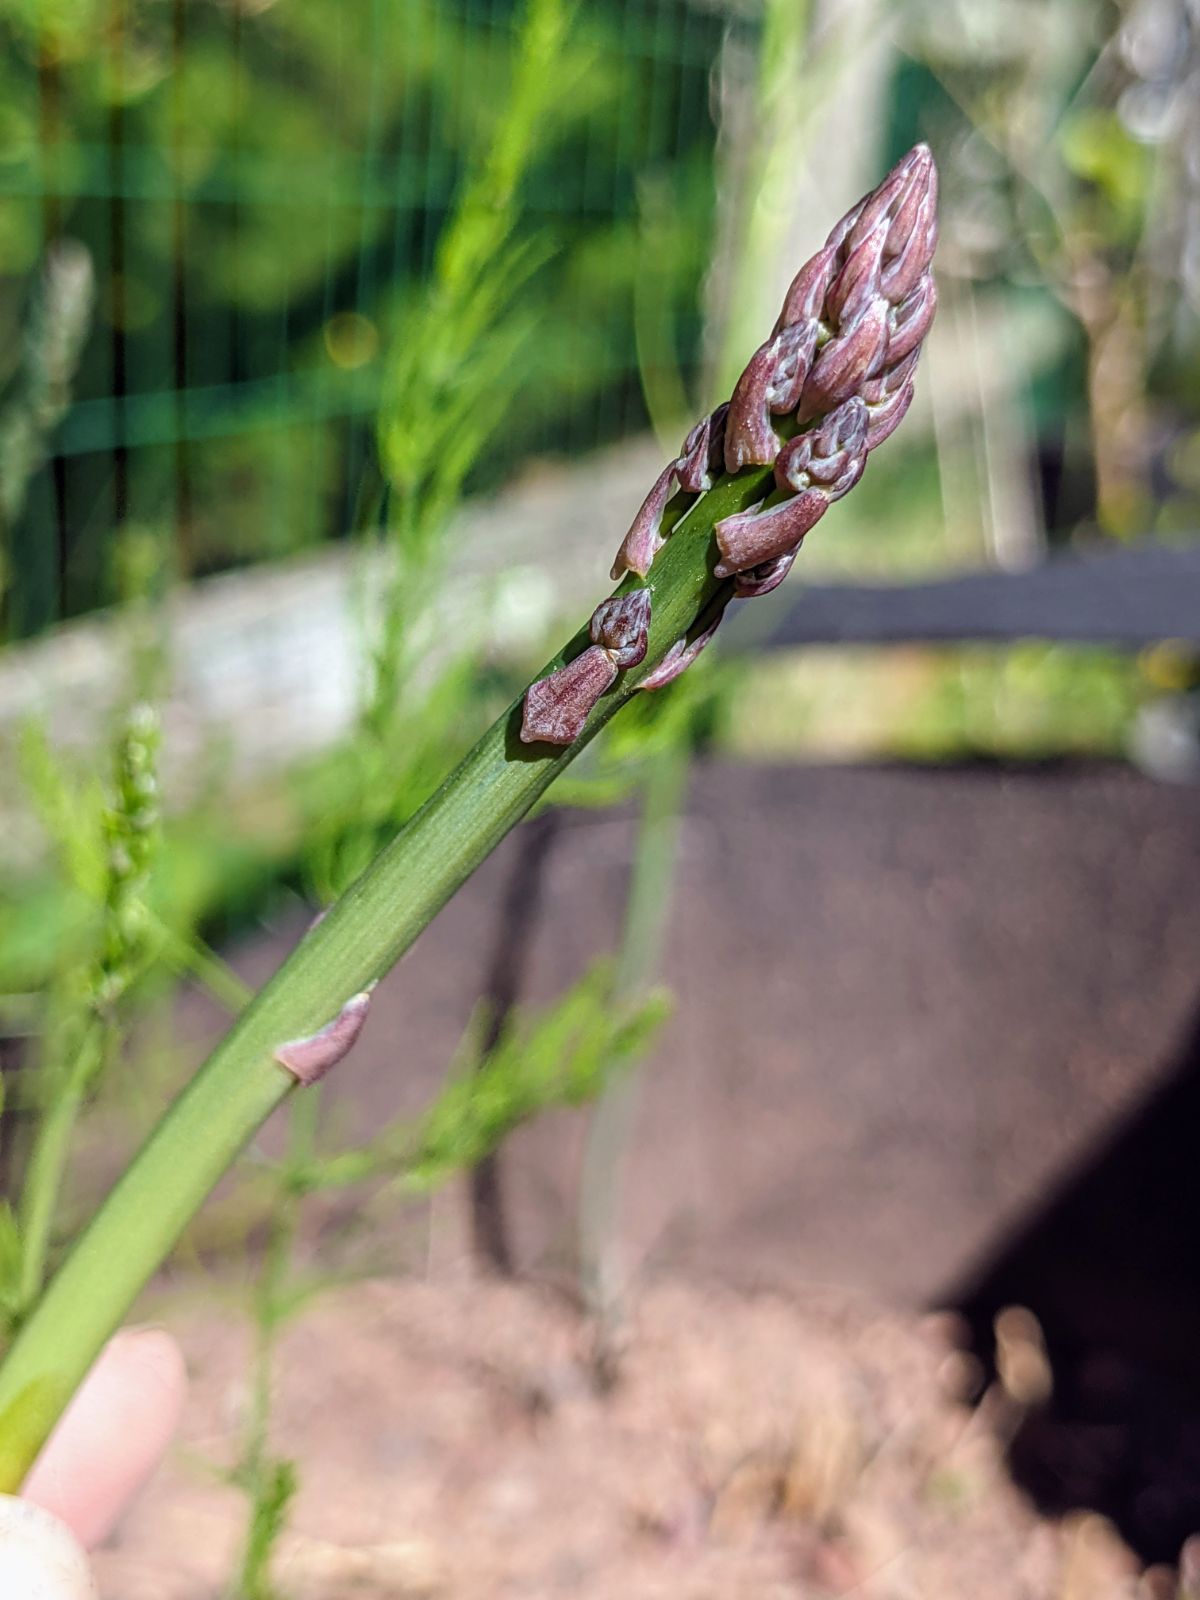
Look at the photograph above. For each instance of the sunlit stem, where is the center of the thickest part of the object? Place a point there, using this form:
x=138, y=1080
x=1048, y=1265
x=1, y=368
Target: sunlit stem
x=363, y=935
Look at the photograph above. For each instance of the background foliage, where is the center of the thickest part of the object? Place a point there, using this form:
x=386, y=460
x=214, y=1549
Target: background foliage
x=261, y=188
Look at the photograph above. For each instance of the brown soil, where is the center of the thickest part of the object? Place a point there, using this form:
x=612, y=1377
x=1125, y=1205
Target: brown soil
x=913, y=1007
x=452, y=1440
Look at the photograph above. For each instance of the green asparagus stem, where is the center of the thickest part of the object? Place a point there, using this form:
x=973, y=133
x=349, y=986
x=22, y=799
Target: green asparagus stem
x=363, y=935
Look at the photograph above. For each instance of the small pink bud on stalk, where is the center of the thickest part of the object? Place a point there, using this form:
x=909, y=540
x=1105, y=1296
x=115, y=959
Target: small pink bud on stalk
x=836, y=375
x=308, y=1060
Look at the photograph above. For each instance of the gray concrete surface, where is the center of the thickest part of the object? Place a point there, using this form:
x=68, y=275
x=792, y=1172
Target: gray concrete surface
x=265, y=665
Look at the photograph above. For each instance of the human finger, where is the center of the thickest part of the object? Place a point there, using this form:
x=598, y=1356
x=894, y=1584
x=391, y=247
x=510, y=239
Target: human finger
x=112, y=1435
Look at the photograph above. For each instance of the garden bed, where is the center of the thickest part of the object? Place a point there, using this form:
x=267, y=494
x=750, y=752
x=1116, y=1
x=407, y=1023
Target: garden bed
x=453, y=1441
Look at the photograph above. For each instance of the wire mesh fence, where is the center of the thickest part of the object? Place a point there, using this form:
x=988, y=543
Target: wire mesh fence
x=216, y=217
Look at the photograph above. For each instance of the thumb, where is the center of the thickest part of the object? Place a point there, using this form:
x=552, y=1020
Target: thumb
x=40, y=1559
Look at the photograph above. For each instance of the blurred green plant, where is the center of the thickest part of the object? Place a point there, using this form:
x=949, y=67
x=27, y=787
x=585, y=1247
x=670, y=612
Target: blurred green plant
x=108, y=849
x=37, y=391
x=563, y=1057
x=360, y=937
x=668, y=748
x=260, y=188
x=450, y=380
x=107, y=835
x=1026, y=702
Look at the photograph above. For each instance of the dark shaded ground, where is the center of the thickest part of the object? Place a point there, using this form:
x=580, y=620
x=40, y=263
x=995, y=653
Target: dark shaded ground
x=1110, y=1263
x=910, y=1004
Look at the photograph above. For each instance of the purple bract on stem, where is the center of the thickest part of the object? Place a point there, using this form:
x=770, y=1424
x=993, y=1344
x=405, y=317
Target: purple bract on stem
x=768, y=575
x=691, y=473
x=557, y=706
x=308, y=1060
x=814, y=469
x=681, y=655
x=621, y=627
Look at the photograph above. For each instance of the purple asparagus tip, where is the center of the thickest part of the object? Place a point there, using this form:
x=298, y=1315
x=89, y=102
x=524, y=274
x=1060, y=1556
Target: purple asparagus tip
x=830, y=385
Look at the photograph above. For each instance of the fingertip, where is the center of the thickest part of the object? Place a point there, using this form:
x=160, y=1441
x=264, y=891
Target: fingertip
x=152, y=1356
x=112, y=1435
x=40, y=1558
